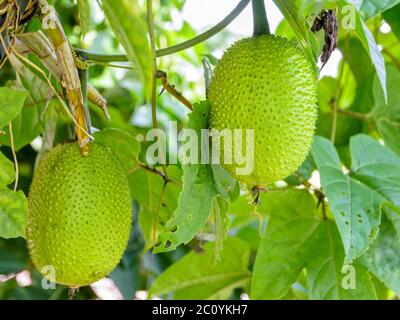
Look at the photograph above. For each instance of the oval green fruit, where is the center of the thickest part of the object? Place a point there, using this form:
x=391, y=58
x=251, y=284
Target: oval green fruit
x=266, y=83
x=79, y=217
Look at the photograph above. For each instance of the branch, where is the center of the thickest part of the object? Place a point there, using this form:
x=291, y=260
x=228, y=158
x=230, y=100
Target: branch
x=154, y=83
x=95, y=57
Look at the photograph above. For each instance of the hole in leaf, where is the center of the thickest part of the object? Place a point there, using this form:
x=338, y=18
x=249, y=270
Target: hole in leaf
x=167, y=244
x=158, y=243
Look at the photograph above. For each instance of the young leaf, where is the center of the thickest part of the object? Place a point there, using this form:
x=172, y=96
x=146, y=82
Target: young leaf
x=13, y=213
x=383, y=258
x=130, y=29
x=7, y=173
x=11, y=103
x=196, y=276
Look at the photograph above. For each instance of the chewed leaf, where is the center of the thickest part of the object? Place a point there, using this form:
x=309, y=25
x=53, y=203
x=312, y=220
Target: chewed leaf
x=201, y=184
x=356, y=201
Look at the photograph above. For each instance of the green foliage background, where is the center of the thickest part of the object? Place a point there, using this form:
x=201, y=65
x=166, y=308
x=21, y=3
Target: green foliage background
x=197, y=237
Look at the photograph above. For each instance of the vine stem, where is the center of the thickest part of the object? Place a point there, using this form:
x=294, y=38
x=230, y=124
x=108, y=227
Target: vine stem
x=16, y=166
x=335, y=106
x=261, y=25
x=154, y=83
x=95, y=57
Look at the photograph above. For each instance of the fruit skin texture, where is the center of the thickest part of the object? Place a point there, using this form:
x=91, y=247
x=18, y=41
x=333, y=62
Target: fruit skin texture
x=80, y=216
x=266, y=83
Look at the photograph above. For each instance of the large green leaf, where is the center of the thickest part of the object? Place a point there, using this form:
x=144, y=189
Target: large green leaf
x=7, y=173
x=371, y=8
x=387, y=115
x=201, y=184
x=356, y=200
x=298, y=237
x=11, y=103
x=130, y=29
x=383, y=258
x=196, y=276
x=13, y=213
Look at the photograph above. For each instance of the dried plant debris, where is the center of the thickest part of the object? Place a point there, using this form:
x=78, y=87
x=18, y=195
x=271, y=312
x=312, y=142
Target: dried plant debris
x=328, y=21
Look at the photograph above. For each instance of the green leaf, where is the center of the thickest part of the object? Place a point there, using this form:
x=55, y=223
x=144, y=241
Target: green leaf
x=7, y=173
x=84, y=15
x=371, y=46
x=356, y=200
x=372, y=8
x=130, y=29
x=387, y=115
x=280, y=257
x=13, y=213
x=29, y=122
x=326, y=277
x=196, y=276
x=297, y=22
x=355, y=207
x=221, y=225
x=201, y=184
x=379, y=168
x=12, y=261
x=392, y=17
x=297, y=238
x=11, y=103
x=123, y=144
x=383, y=258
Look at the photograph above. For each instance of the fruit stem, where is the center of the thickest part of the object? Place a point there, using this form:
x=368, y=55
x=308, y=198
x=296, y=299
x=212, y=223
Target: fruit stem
x=84, y=77
x=95, y=57
x=261, y=25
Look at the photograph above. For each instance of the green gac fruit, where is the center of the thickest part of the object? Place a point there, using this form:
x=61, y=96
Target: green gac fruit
x=266, y=83
x=79, y=217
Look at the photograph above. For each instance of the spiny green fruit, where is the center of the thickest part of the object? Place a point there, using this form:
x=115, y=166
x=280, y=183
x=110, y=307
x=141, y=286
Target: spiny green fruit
x=266, y=83
x=79, y=214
